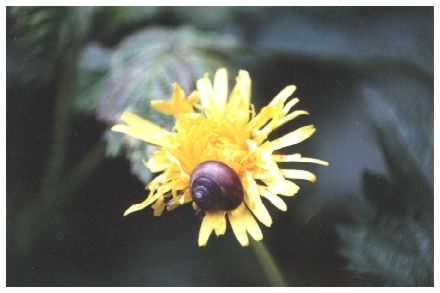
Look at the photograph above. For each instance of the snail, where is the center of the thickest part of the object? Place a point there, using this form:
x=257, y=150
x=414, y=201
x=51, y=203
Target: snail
x=216, y=187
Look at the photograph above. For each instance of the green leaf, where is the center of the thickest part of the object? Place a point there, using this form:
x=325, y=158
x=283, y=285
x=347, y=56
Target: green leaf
x=114, y=18
x=134, y=150
x=39, y=37
x=141, y=68
x=49, y=30
x=398, y=249
x=395, y=240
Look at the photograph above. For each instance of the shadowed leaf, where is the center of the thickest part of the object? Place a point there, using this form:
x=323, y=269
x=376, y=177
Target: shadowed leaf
x=141, y=68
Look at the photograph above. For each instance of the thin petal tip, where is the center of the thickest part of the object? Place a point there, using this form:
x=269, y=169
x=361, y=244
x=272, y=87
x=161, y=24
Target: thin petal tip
x=243, y=72
x=132, y=209
x=116, y=128
x=291, y=88
x=127, y=212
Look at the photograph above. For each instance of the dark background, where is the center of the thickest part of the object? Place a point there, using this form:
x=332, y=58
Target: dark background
x=365, y=74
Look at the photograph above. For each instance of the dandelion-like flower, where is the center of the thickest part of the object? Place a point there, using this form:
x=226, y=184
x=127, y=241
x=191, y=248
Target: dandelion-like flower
x=218, y=155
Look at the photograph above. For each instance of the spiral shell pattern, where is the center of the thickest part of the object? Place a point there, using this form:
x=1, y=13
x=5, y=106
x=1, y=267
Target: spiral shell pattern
x=216, y=187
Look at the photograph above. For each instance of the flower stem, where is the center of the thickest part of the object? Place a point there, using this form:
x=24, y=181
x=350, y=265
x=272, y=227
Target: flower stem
x=60, y=126
x=268, y=264
x=82, y=171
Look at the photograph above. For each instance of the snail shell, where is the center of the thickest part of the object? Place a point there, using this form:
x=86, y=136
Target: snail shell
x=215, y=187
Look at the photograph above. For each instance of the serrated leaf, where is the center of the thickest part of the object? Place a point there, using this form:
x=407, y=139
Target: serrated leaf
x=114, y=18
x=398, y=249
x=396, y=241
x=144, y=65
x=401, y=114
x=41, y=36
x=141, y=68
x=49, y=30
x=94, y=65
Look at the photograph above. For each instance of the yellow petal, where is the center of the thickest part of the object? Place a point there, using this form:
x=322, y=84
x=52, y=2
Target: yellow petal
x=244, y=84
x=139, y=206
x=251, y=191
x=194, y=98
x=283, y=95
x=175, y=105
x=262, y=134
x=273, y=198
x=298, y=158
x=186, y=197
x=205, y=229
x=158, y=162
x=261, y=119
x=158, y=207
x=162, y=106
x=221, y=88
x=261, y=213
x=158, y=180
x=290, y=117
x=181, y=182
x=172, y=204
x=239, y=100
x=272, y=111
x=238, y=220
x=212, y=221
x=287, y=158
x=143, y=129
x=299, y=174
x=242, y=222
x=253, y=200
x=290, y=105
x=282, y=187
x=206, y=92
x=252, y=227
x=288, y=188
x=220, y=223
x=293, y=137
x=158, y=187
x=242, y=89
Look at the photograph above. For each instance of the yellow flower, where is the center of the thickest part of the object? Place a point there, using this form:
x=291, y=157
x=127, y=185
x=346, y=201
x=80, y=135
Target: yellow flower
x=210, y=126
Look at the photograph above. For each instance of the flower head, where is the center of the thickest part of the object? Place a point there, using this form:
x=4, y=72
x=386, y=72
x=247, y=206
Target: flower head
x=212, y=126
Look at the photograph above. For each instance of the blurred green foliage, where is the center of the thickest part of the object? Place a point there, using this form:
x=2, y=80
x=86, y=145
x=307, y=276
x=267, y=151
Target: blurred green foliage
x=50, y=30
x=141, y=68
x=392, y=236
x=43, y=35
x=106, y=60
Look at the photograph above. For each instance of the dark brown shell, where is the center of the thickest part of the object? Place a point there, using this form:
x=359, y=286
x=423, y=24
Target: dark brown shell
x=216, y=187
